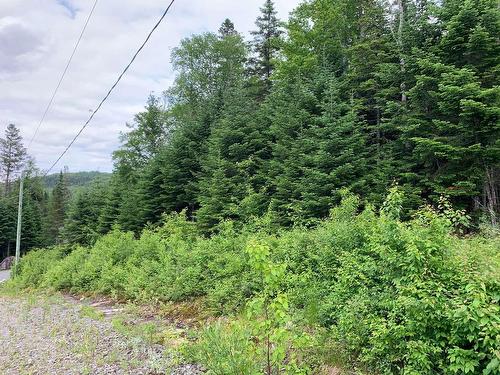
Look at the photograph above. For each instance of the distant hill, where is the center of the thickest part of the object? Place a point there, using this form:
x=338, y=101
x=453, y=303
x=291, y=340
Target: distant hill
x=75, y=180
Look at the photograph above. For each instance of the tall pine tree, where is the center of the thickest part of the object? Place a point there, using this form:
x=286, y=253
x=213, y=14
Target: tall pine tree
x=12, y=155
x=265, y=45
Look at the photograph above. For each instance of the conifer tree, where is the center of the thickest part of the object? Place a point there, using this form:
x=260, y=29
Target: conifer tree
x=112, y=197
x=236, y=153
x=265, y=44
x=150, y=190
x=227, y=28
x=34, y=203
x=31, y=234
x=209, y=67
x=454, y=114
x=364, y=94
x=374, y=79
x=58, y=206
x=12, y=155
x=82, y=225
x=7, y=226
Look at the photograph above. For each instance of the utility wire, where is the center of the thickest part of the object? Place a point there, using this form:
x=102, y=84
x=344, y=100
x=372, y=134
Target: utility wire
x=112, y=87
x=63, y=74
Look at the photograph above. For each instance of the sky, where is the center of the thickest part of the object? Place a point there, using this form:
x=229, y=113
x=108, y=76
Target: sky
x=36, y=40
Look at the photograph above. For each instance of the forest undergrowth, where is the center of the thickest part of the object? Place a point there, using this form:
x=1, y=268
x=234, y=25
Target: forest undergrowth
x=362, y=291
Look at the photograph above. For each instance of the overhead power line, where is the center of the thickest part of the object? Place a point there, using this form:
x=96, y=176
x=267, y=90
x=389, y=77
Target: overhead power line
x=63, y=74
x=112, y=87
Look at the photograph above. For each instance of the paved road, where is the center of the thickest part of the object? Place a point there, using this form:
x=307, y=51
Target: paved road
x=4, y=275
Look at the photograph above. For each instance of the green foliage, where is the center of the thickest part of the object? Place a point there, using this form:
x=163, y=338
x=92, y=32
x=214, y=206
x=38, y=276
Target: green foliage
x=347, y=94
x=74, y=180
x=7, y=228
x=13, y=156
x=350, y=94
x=82, y=224
x=35, y=200
x=269, y=313
x=58, y=206
x=265, y=45
x=34, y=266
x=396, y=297
x=226, y=348
x=254, y=149
x=63, y=274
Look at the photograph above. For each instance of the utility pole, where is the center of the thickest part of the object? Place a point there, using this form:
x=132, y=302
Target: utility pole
x=19, y=219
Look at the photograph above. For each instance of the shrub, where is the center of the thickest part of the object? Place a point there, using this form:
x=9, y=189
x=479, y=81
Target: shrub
x=63, y=273
x=226, y=348
x=33, y=266
x=395, y=297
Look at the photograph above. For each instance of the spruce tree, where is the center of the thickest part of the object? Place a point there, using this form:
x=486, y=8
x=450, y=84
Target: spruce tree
x=112, y=197
x=7, y=226
x=58, y=206
x=265, y=44
x=150, y=190
x=82, y=225
x=209, y=67
x=233, y=168
x=31, y=234
x=227, y=28
x=454, y=113
x=364, y=94
x=375, y=79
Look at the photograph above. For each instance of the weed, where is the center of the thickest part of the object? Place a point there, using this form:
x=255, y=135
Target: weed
x=91, y=312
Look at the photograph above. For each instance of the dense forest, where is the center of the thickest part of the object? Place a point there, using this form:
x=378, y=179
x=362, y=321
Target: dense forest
x=48, y=199
x=362, y=95
x=350, y=94
x=339, y=170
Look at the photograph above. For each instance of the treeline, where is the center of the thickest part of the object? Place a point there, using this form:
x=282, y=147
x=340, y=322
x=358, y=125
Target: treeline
x=13, y=158
x=73, y=180
x=348, y=94
x=47, y=200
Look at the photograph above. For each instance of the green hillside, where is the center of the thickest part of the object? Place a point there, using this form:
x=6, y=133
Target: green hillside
x=76, y=179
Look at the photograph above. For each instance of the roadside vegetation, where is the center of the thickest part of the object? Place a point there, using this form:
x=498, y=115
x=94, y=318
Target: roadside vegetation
x=344, y=94
x=360, y=291
x=328, y=192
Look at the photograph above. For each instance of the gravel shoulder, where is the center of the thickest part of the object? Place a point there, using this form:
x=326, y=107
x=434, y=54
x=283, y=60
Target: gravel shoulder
x=53, y=335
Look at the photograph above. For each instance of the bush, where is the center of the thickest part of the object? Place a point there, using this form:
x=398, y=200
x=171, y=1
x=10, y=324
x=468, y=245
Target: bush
x=62, y=276
x=33, y=266
x=396, y=297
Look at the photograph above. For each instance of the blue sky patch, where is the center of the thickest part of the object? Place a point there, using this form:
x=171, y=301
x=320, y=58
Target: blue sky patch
x=69, y=7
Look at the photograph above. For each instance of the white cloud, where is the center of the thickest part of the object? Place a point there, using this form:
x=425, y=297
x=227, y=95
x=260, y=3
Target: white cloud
x=37, y=37
x=20, y=46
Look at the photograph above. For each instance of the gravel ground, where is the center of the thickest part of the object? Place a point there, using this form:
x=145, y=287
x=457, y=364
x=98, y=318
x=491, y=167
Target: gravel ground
x=52, y=336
